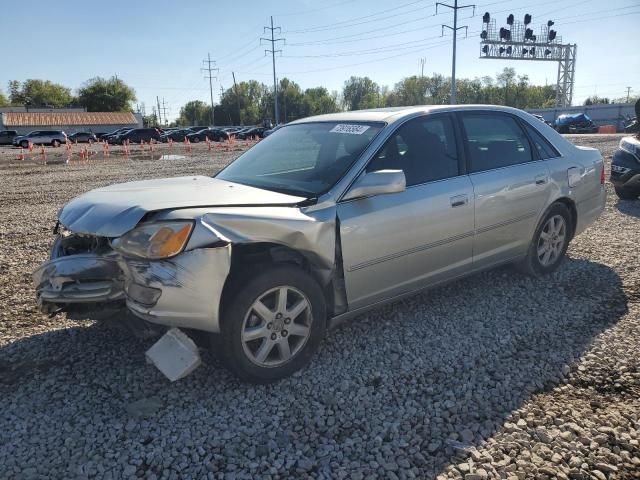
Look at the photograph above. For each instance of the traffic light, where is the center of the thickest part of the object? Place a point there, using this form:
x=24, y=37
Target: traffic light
x=528, y=33
x=524, y=51
x=527, y=19
x=509, y=50
x=550, y=23
x=484, y=35
x=510, y=19
x=485, y=49
x=552, y=35
x=486, y=17
x=547, y=52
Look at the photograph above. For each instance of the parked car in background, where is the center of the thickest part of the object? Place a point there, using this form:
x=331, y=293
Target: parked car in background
x=83, y=137
x=7, y=136
x=115, y=133
x=575, y=123
x=213, y=134
x=274, y=129
x=177, y=135
x=327, y=217
x=41, y=137
x=625, y=168
x=197, y=128
x=137, y=135
x=253, y=132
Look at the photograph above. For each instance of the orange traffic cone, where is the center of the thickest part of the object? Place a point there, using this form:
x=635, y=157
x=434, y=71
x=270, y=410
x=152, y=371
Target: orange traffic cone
x=21, y=157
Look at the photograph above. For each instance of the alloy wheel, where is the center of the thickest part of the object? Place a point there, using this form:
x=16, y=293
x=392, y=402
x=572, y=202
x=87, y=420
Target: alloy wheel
x=552, y=240
x=276, y=326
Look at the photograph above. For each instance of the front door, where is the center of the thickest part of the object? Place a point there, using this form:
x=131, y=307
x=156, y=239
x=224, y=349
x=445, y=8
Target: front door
x=399, y=242
x=510, y=183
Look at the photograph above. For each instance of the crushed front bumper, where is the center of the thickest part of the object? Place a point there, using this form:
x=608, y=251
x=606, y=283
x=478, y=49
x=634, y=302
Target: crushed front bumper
x=183, y=291
x=81, y=278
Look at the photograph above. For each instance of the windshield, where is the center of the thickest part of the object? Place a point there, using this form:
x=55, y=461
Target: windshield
x=304, y=159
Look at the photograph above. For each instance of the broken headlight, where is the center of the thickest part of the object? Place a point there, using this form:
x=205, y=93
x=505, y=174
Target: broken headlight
x=154, y=241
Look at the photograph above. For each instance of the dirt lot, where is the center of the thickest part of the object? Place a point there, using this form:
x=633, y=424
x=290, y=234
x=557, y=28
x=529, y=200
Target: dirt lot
x=495, y=376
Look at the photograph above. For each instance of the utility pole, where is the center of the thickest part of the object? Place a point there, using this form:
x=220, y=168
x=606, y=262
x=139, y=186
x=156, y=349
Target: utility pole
x=235, y=86
x=273, y=52
x=164, y=112
x=422, y=60
x=209, y=69
x=159, y=119
x=454, y=29
x=628, y=92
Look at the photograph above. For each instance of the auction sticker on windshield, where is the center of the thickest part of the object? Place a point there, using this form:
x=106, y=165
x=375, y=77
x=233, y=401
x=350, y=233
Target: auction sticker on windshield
x=352, y=129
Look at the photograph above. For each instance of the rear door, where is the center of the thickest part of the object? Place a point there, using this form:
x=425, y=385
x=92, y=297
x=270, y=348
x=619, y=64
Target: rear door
x=511, y=185
x=399, y=242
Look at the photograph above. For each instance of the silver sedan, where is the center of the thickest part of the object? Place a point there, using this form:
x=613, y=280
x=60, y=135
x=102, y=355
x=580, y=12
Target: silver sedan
x=325, y=218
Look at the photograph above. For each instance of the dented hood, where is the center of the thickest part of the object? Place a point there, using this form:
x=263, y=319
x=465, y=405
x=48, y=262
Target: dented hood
x=114, y=210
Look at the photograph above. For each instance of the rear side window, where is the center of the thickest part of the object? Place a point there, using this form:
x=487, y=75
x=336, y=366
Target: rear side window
x=541, y=144
x=495, y=141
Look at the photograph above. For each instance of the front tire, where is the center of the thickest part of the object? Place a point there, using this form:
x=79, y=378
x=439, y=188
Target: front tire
x=550, y=242
x=624, y=194
x=273, y=324
x=55, y=143
x=196, y=139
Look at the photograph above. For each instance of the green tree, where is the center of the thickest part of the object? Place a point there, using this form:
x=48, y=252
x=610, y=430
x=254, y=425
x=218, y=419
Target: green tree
x=318, y=101
x=359, y=93
x=4, y=101
x=195, y=112
x=39, y=93
x=596, y=100
x=106, y=95
x=252, y=97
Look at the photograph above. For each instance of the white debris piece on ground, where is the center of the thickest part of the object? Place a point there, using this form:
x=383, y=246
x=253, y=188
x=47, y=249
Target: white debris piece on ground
x=175, y=355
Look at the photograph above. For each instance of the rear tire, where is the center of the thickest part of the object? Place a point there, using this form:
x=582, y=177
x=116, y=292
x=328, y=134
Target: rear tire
x=550, y=242
x=625, y=194
x=196, y=140
x=24, y=144
x=272, y=325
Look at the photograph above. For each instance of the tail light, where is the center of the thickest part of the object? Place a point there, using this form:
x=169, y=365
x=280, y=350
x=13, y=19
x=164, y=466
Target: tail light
x=602, y=176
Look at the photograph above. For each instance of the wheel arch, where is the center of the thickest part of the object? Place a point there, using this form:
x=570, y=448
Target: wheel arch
x=571, y=206
x=250, y=257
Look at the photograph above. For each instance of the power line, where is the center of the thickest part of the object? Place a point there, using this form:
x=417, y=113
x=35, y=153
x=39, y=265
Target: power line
x=454, y=29
x=209, y=69
x=273, y=52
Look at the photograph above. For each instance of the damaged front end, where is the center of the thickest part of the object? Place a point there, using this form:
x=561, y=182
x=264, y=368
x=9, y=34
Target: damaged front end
x=85, y=273
x=83, y=269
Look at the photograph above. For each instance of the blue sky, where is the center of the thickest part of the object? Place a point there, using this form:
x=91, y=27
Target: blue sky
x=158, y=47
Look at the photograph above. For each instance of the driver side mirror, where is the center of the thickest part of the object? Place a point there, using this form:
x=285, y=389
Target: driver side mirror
x=376, y=183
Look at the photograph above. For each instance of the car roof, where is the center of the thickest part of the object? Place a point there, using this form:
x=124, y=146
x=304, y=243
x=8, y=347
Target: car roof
x=393, y=114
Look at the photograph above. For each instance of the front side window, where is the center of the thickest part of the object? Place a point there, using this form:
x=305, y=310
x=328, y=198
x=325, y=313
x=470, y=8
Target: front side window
x=304, y=159
x=495, y=141
x=423, y=148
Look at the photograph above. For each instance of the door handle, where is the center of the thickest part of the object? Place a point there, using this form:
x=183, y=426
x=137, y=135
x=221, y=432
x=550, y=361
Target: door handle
x=541, y=179
x=459, y=201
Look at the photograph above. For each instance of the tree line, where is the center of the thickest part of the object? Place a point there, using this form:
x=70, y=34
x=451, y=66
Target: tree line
x=251, y=102
x=96, y=95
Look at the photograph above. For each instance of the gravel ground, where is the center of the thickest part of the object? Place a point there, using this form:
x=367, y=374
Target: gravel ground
x=495, y=376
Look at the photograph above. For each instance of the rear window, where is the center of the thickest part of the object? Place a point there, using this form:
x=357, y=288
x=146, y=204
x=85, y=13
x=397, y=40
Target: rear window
x=541, y=144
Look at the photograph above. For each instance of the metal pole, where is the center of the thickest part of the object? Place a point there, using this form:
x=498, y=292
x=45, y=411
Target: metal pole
x=275, y=85
x=453, y=66
x=235, y=86
x=213, y=121
x=159, y=119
